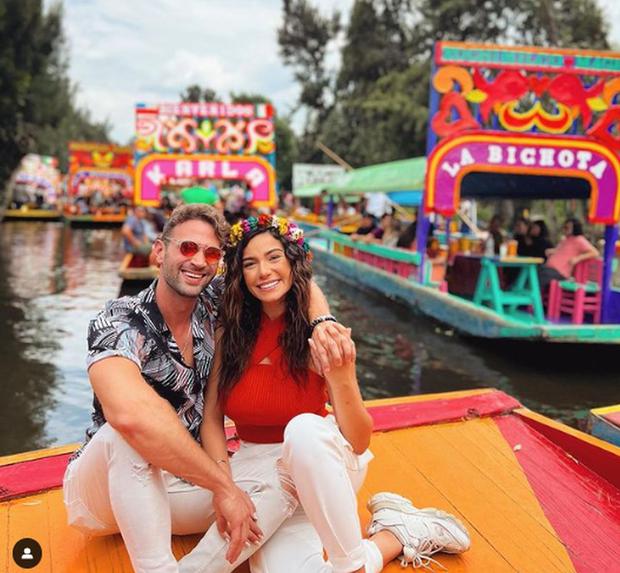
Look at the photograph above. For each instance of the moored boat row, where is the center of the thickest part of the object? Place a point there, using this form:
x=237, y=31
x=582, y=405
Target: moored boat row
x=87, y=220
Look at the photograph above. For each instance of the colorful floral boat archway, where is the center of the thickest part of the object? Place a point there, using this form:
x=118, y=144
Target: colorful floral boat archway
x=526, y=111
x=205, y=141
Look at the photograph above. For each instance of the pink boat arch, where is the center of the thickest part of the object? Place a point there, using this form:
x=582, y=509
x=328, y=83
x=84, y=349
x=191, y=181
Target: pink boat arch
x=154, y=169
x=532, y=154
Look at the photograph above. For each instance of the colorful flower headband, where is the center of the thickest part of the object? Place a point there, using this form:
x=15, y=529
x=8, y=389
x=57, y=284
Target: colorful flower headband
x=285, y=228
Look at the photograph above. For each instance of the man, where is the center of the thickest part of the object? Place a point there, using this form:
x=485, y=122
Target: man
x=135, y=236
x=142, y=471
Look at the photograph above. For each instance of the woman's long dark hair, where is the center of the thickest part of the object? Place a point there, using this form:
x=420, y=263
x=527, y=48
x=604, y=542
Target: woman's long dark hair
x=577, y=226
x=240, y=315
x=544, y=230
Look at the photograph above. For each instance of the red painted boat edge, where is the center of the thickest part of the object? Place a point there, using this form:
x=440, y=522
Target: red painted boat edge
x=582, y=507
x=423, y=413
x=32, y=476
x=602, y=458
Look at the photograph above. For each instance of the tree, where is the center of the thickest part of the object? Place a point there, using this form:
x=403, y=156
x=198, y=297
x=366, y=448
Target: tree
x=376, y=43
x=379, y=108
x=560, y=23
x=37, y=101
x=195, y=94
x=304, y=39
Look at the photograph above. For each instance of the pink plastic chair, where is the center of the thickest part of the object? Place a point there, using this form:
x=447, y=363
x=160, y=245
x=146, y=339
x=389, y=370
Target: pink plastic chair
x=579, y=295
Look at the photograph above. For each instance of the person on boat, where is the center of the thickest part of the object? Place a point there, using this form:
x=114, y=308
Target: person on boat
x=561, y=260
x=386, y=233
x=367, y=226
x=378, y=204
x=344, y=209
x=266, y=379
x=538, y=242
x=520, y=233
x=495, y=236
x=392, y=233
x=142, y=471
x=135, y=232
x=406, y=239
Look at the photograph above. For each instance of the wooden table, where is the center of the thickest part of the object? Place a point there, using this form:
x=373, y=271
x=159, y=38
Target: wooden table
x=525, y=291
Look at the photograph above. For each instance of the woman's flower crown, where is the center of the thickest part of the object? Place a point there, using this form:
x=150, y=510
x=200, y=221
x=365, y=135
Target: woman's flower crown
x=285, y=228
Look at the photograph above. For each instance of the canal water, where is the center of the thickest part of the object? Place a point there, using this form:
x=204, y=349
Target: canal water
x=54, y=279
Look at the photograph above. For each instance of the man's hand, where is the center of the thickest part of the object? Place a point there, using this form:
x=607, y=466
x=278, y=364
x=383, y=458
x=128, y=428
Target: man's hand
x=331, y=346
x=235, y=519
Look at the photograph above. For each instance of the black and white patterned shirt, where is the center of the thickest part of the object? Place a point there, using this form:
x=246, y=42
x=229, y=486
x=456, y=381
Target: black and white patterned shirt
x=133, y=327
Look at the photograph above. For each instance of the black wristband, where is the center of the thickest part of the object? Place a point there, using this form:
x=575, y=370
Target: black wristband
x=322, y=318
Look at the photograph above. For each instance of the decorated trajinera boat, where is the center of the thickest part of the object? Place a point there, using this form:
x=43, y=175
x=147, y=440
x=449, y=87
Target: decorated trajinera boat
x=100, y=184
x=34, y=190
x=482, y=144
x=180, y=144
x=534, y=494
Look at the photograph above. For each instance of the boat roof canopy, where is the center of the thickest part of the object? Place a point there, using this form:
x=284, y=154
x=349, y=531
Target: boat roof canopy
x=311, y=190
x=402, y=175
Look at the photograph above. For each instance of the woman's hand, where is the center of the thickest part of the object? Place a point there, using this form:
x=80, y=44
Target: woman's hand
x=331, y=346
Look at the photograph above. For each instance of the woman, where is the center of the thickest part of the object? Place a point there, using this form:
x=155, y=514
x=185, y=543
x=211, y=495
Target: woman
x=538, y=242
x=495, y=237
x=265, y=380
x=572, y=249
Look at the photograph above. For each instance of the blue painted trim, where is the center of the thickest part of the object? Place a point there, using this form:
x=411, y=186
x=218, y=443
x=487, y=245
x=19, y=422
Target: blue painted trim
x=609, y=252
x=604, y=430
x=406, y=198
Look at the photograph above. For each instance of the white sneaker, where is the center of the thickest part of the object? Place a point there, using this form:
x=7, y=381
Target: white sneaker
x=422, y=532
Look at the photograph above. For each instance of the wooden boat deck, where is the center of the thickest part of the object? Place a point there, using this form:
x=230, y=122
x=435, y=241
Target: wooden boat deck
x=535, y=495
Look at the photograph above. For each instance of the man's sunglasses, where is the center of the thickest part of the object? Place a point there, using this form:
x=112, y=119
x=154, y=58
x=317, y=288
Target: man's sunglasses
x=190, y=248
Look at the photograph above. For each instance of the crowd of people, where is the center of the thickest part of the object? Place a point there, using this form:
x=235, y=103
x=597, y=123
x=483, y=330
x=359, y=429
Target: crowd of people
x=533, y=240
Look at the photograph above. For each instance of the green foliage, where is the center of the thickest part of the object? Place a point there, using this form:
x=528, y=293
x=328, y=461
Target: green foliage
x=37, y=102
x=373, y=108
x=376, y=44
x=304, y=38
x=195, y=94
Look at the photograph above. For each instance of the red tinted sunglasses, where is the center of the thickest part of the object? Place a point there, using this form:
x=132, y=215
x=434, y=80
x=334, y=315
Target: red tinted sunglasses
x=190, y=248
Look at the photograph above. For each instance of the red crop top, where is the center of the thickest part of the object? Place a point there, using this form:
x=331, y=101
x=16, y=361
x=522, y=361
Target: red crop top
x=266, y=397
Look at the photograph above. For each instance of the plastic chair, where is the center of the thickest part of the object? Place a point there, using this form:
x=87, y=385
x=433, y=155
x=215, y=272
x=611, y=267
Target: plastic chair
x=579, y=295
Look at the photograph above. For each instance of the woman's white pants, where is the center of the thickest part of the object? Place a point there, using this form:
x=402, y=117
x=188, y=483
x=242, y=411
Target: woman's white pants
x=111, y=488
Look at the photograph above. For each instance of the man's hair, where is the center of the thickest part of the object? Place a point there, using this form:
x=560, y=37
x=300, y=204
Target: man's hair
x=194, y=212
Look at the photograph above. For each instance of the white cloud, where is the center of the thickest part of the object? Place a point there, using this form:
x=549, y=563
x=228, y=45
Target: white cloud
x=128, y=51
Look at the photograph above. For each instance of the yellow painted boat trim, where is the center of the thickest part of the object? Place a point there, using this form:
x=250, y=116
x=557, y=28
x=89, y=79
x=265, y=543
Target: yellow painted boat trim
x=606, y=410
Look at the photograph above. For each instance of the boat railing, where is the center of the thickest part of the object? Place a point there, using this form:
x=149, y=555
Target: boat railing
x=397, y=261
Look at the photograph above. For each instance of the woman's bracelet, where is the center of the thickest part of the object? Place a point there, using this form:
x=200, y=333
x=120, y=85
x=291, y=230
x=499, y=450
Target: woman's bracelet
x=221, y=461
x=322, y=318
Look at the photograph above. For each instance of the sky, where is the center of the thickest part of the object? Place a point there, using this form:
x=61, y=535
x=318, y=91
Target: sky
x=122, y=52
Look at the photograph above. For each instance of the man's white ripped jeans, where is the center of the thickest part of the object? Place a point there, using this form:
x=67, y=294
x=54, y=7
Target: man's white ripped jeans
x=110, y=487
